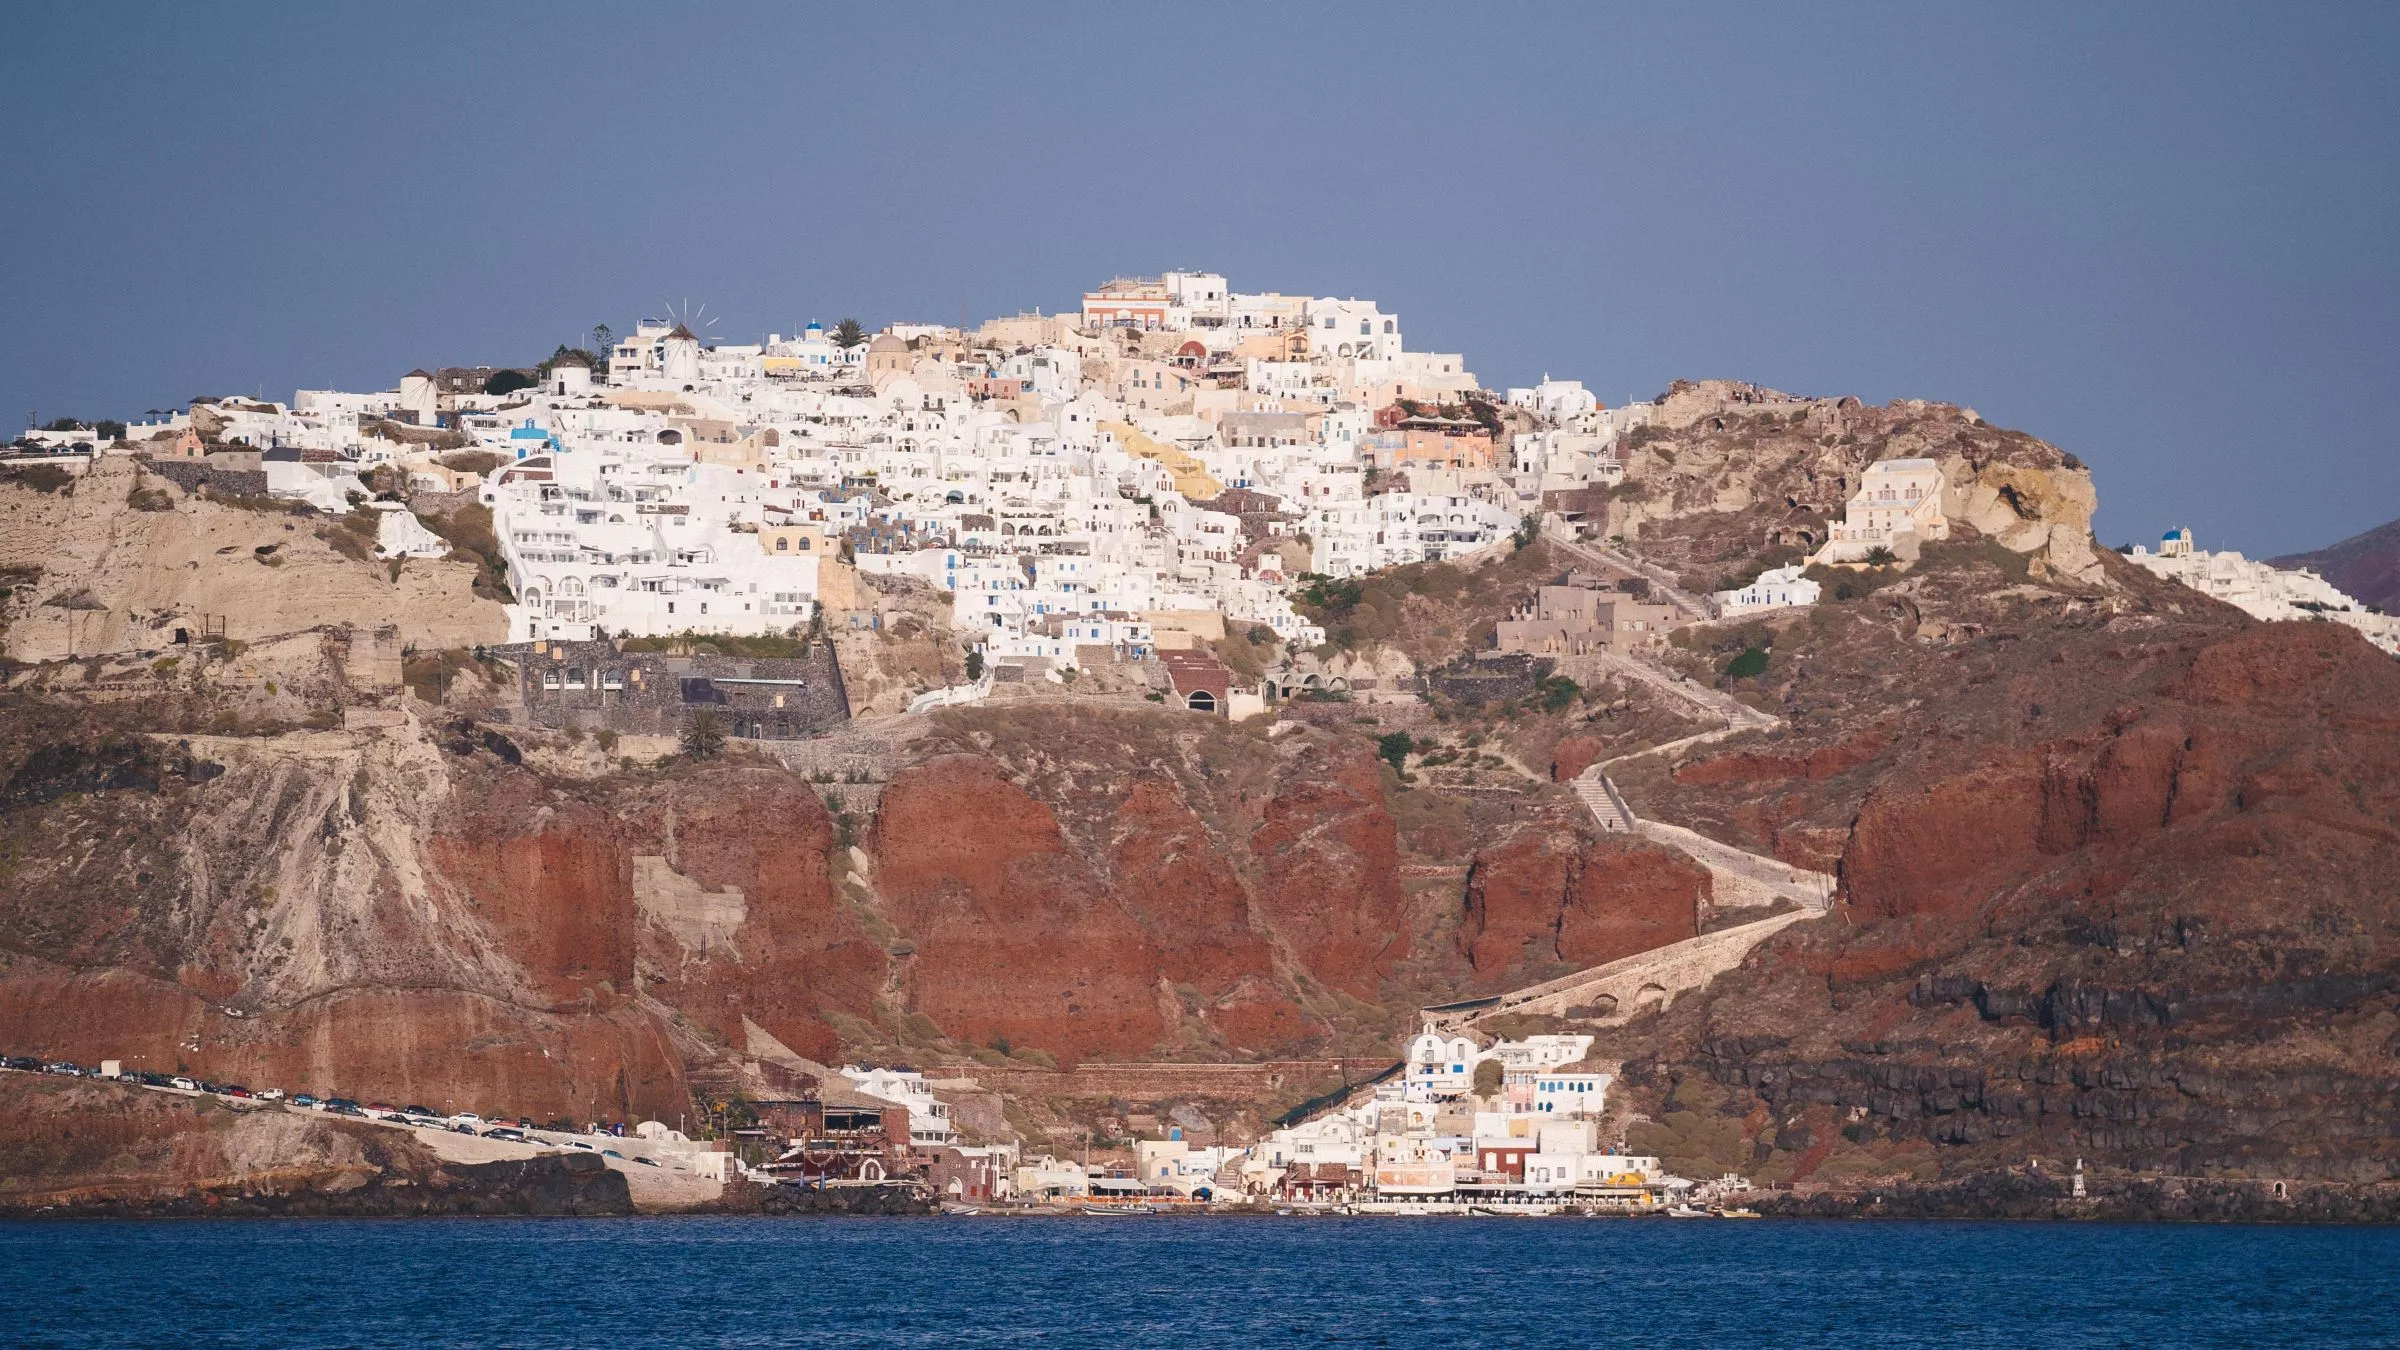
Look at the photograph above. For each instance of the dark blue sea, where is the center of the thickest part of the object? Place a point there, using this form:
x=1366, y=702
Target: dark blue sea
x=1132, y=1282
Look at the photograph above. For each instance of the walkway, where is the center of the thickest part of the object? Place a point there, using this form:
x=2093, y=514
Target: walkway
x=1739, y=879
x=1662, y=585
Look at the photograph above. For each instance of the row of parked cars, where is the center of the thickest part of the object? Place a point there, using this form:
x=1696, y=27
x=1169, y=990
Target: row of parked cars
x=461, y=1122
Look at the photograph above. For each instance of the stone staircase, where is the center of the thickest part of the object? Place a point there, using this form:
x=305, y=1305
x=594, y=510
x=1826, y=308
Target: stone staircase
x=1599, y=796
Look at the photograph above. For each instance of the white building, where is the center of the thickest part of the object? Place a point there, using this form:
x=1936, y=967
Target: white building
x=2270, y=594
x=1775, y=588
x=1898, y=506
x=929, y=1121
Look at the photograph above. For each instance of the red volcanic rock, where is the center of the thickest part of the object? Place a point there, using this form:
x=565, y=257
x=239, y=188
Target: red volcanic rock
x=553, y=886
x=1331, y=890
x=1014, y=936
x=798, y=952
x=1170, y=873
x=1943, y=846
x=436, y=1047
x=1749, y=766
x=1549, y=896
x=1629, y=896
x=1573, y=754
x=1515, y=893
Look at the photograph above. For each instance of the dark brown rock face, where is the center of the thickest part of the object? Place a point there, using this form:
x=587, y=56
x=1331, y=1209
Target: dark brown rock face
x=2162, y=936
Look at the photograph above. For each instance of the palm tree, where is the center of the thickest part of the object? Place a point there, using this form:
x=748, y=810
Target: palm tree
x=1878, y=556
x=848, y=334
x=703, y=736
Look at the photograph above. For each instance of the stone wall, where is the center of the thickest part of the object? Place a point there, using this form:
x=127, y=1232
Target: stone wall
x=594, y=686
x=191, y=475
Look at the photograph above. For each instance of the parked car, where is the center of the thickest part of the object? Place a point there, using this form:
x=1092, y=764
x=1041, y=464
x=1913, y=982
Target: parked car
x=185, y=1083
x=612, y=1153
x=646, y=1162
x=462, y=1129
x=341, y=1106
x=467, y=1118
x=306, y=1102
x=150, y=1079
x=62, y=1068
x=505, y=1132
x=271, y=1095
x=577, y=1143
x=24, y=1063
x=382, y=1109
x=235, y=1090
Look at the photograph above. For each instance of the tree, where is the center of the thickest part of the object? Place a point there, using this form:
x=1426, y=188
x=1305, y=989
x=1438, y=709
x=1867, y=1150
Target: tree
x=974, y=665
x=848, y=334
x=1752, y=661
x=1488, y=1075
x=1879, y=556
x=703, y=736
x=508, y=382
x=1394, y=749
x=603, y=339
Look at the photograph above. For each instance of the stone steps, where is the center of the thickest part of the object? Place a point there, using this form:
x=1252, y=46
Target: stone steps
x=1600, y=797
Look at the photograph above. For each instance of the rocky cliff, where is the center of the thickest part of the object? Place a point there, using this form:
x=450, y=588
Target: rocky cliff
x=120, y=558
x=78, y=1148
x=2117, y=864
x=2145, y=915
x=1732, y=477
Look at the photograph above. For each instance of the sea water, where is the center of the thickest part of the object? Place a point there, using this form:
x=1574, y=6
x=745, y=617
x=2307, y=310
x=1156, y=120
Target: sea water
x=1140, y=1282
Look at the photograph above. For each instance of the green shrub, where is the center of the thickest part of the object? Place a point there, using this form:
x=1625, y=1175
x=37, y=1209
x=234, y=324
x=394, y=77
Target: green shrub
x=1751, y=662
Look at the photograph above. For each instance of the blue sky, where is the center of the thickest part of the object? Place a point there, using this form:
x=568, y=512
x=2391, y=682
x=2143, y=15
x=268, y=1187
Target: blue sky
x=2161, y=237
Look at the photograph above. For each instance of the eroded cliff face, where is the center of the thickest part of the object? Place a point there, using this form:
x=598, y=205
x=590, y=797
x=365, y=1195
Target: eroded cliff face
x=1013, y=933
x=1552, y=898
x=73, y=1147
x=2156, y=931
x=1732, y=476
x=121, y=558
x=423, y=914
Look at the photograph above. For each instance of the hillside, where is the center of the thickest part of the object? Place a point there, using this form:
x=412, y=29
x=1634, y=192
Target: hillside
x=2116, y=862
x=2366, y=565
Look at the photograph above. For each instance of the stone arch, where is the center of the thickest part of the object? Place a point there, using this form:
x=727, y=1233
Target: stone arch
x=1201, y=701
x=1650, y=996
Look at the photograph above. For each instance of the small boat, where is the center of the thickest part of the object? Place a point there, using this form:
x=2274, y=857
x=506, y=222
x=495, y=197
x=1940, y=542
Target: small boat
x=1737, y=1213
x=1686, y=1212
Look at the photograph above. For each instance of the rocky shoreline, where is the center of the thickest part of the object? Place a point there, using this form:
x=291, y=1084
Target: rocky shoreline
x=572, y=1185
x=2108, y=1200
